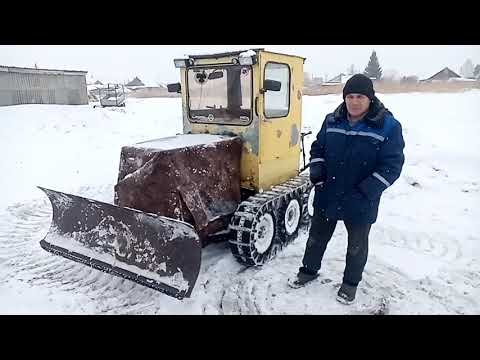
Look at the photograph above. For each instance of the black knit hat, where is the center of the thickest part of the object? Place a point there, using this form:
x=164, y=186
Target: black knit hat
x=359, y=84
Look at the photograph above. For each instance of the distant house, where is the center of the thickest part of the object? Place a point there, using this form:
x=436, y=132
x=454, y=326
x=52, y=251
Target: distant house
x=135, y=82
x=98, y=82
x=339, y=79
x=443, y=75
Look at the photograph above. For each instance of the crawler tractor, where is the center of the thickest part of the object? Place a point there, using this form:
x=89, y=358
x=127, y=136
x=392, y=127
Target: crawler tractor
x=233, y=174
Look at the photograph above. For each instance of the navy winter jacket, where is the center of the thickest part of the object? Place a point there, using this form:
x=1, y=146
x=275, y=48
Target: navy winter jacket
x=352, y=166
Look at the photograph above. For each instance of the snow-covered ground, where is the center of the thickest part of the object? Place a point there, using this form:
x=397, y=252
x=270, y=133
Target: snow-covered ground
x=424, y=249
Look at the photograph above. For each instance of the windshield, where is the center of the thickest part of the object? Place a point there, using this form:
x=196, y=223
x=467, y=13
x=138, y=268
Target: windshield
x=220, y=94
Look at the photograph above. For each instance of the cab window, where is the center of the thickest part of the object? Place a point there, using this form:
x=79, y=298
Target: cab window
x=277, y=103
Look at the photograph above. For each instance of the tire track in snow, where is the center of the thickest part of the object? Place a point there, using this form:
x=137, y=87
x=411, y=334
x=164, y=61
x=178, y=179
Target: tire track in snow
x=449, y=297
x=25, y=224
x=384, y=289
x=109, y=294
x=228, y=287
x=439, y=246
x=265, y=291
x=457, y=287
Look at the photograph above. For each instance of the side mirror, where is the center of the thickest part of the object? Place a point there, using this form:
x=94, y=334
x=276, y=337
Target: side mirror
x=174, y=88
x=271, y=85
x=215, y=75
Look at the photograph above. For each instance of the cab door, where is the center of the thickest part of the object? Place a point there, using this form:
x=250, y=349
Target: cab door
x=279, y=115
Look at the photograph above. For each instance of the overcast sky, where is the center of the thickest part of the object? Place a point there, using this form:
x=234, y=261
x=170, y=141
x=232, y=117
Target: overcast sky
x=155, y=63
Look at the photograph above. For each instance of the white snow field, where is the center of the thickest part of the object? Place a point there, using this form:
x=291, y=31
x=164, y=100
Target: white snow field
x=424, y=252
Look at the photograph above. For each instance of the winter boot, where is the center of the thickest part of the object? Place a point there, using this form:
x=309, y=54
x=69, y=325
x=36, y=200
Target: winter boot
x=303, y=278
x=346, y=294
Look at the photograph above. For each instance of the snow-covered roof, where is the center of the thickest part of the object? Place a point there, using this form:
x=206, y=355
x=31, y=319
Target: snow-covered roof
x=135, y=82
x=93, y=87
x=147, y=84
x=150, y=83
x=443, y=74
x=223, y=54
x=462, y=79
x=25, y=70
x=341, y=78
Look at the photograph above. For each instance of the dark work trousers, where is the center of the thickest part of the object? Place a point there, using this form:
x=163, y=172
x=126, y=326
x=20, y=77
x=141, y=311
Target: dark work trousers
x=321, y=231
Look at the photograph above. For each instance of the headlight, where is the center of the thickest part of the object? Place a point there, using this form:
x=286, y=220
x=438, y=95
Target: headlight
x=181, y=63
x=247, y=60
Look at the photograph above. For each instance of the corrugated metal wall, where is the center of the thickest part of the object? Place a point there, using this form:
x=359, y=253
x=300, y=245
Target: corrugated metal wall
x=42, y=88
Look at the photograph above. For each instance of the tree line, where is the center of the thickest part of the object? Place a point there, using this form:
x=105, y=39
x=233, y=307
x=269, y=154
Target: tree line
x=374, y=71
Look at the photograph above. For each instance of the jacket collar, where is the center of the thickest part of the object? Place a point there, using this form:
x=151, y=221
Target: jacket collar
x=374, y=117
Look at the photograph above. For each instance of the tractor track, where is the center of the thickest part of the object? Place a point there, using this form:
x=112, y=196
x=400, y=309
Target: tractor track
x=247, y=220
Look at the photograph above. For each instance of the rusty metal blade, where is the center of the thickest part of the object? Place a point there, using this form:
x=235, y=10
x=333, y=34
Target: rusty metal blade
x=154, y=251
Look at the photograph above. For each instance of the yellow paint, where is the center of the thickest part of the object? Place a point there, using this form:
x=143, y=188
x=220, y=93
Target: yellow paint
x=274, y=159
x=279, y=161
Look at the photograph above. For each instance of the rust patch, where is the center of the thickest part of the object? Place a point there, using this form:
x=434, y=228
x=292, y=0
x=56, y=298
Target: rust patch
x=294, y=135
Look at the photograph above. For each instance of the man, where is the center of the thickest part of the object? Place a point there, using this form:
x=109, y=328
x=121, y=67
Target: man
x=357, y=154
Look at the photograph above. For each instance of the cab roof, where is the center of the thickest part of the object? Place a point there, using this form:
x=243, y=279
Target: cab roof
x=236, y=53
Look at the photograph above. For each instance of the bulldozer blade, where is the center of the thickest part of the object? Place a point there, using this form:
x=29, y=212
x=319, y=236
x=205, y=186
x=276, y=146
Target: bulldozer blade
x=155, y=251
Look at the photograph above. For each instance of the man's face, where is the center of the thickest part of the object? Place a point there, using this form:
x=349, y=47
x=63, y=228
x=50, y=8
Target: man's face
x=357, y=104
